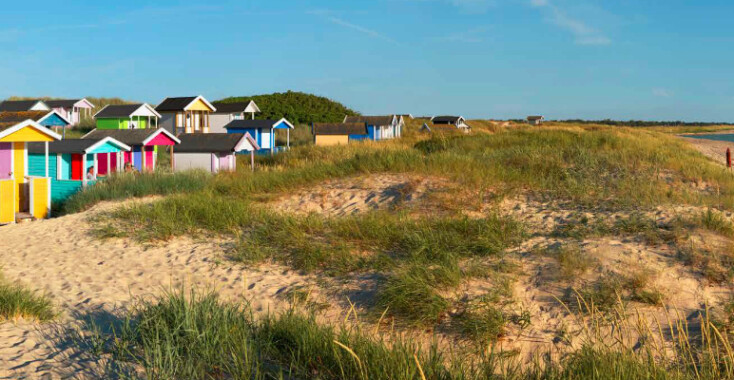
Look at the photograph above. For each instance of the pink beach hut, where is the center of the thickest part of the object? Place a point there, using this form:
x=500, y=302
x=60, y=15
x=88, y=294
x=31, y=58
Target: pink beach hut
x=144, y=144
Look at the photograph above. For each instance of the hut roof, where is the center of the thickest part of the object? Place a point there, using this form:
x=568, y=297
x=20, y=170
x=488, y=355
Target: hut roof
x=370, y=120
x=213, y=142
x=339, y=129
x=19, y=105
x=129, y=136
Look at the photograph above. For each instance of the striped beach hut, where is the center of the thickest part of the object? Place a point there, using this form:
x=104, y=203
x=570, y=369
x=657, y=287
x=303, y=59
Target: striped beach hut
x=23, y=196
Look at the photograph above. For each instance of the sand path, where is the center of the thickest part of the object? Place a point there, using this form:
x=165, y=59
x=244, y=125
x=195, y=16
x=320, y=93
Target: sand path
x=89, y=278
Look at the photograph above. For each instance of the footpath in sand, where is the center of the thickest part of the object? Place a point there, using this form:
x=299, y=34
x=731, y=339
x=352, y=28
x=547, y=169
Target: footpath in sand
x=93, y=279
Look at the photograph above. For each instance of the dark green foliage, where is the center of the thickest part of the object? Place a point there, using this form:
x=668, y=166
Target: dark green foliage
x=297, y=107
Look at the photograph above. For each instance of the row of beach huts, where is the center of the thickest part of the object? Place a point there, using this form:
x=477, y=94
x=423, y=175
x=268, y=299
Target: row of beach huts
x=40, y=167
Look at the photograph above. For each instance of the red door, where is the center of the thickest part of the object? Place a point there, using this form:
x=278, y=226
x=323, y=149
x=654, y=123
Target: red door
x=149, y=159
x=77, y=172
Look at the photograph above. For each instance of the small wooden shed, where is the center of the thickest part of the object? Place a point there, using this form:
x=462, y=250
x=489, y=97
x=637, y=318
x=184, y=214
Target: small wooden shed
x=213, y=152
x=263, y=131
x=326, y=134
x=535, y=120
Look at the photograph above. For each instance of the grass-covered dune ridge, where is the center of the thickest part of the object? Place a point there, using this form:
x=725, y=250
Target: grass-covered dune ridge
x=420, y=257
x=594, y=165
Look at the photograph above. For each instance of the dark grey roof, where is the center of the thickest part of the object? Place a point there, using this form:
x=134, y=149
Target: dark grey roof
x=535, y=117
x=17, y=105
x=117, y=111
x=208, y=142
x=61, y=103
x=339, y=129
x=63, y=146
x=236, y=107
x=125, y=136
x=254, y=124
x=446, y=119
x=370, y=120
x=174, y=104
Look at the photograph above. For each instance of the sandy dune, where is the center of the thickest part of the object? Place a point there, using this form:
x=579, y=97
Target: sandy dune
x=89, y=278
x=355, y=195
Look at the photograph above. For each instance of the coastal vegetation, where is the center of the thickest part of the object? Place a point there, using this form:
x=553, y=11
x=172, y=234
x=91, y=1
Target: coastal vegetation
x=17, y=301
x=564, y=232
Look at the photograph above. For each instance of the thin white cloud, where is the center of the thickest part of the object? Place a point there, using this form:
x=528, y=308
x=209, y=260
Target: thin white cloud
x=349, y=25
x=582, y=32
x=662, y=92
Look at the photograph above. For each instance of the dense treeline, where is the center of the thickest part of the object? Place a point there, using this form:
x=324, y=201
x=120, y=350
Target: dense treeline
x=298, y=107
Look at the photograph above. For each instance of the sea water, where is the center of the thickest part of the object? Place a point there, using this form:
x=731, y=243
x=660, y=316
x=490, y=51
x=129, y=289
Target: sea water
x=714, y=136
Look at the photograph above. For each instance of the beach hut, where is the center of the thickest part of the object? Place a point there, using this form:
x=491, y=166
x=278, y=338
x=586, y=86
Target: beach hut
x=213, y=152
x=378, y=127
x=49, y=119
x=226, y=112
x=457, y=121
x=143, y=143
x=23, y=196
x=127, y=116
x=189, y=114
x=535, y=120
x=72, y=109
x=69, y=162
x=263, y=131
x=326, y=134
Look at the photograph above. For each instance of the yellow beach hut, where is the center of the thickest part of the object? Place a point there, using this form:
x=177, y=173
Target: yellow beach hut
x=23, y=196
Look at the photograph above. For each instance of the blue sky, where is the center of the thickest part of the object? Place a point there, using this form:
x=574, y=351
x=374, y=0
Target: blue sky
x=625, y=59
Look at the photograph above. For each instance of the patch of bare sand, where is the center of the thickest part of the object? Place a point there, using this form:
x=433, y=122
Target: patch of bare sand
x=93, y=279
x=359, y=194
x=540, y=292
x=546, y=216
x=716, y=150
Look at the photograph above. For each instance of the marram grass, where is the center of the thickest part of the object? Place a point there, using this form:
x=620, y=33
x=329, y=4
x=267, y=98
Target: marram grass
x=17, y=301
x=195, y=335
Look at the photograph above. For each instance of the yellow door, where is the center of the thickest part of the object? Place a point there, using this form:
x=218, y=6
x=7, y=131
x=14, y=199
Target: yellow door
x=7, y=201
x=19, y=176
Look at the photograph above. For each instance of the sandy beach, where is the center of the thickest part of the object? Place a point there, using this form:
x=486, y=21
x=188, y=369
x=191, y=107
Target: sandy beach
x=93, y=279
x=716, y=150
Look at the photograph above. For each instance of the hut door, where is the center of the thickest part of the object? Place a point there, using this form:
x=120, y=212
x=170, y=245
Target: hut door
x=149, y=159
x=19, y=171
x=77, y=172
